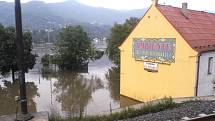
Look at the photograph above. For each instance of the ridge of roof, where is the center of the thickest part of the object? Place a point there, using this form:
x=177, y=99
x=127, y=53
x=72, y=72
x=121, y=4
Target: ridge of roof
x=159, y=5
x=198, y=29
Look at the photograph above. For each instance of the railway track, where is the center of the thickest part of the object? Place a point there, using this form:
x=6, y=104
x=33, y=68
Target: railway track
x=202, y=117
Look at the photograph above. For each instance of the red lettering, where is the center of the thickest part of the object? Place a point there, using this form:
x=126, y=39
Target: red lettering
x=157, y=46
x=153, y=46
x=147, y=46
x=162, y=47
x=167, y=47
x=142, y=45
x=150, y=46
x=138, y=45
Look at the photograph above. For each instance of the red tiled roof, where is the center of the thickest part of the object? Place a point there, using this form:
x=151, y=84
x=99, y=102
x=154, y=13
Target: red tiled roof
x=197, y=27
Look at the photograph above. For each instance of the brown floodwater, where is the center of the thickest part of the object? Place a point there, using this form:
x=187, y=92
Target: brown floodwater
x=67, y=93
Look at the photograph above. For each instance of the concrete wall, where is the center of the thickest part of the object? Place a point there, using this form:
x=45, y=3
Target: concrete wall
x=205, y=83
x=176, y=80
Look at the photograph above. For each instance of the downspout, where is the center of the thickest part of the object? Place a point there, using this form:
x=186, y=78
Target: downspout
x=197, y=78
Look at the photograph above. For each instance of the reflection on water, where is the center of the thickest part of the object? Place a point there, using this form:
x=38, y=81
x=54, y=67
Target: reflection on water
x=113, y=78
x=74, y=92
x=9, y=91
x=67, y=93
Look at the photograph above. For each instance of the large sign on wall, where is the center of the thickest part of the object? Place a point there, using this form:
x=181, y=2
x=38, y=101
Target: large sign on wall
x=161, y=50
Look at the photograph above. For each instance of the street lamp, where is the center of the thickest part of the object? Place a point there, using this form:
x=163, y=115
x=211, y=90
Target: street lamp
x=20, y=54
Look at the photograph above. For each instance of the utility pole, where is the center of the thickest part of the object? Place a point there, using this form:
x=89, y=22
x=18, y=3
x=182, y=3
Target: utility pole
x=20, y=54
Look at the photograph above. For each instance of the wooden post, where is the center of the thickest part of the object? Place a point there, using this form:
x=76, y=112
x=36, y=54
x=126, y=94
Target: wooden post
x=20, y=55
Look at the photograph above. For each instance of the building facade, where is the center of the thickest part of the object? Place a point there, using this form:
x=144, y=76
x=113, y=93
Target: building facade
x=206, y=77
x=169, y=53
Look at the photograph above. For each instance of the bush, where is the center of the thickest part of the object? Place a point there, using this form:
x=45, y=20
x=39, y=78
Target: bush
x=165, y=103
x=45, y=60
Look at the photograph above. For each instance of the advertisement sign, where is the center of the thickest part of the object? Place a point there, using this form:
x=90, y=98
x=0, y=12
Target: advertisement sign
x=161, y=50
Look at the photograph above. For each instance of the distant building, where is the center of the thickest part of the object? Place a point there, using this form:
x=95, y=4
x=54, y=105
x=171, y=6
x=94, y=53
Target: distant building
x=100, y=43
x=171, y=52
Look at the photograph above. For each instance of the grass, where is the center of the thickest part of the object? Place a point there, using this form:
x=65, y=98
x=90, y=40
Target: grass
x=166, y=103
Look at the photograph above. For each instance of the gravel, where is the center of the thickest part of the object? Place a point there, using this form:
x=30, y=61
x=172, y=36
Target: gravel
x=188, y=109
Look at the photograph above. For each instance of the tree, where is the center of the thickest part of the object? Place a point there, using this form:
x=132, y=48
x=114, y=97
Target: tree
x=119, y=32
x=45, y=60
x=4, y=47
x=8, y=52
x=73, y=48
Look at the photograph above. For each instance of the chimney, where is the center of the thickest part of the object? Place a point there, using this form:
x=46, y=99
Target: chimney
x=184, y=6
x=184, y=10
x=154, y=2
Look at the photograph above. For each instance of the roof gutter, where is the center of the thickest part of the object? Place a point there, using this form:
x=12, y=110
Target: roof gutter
x=197, y=78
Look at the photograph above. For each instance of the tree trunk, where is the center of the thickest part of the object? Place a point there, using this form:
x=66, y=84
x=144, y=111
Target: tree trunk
x=13, y=75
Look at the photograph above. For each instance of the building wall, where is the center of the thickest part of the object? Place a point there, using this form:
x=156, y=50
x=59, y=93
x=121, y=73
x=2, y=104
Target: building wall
x=205, y=84
x=175, y=80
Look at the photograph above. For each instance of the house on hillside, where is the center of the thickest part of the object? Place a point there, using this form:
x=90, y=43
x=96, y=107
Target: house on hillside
x=171, y=52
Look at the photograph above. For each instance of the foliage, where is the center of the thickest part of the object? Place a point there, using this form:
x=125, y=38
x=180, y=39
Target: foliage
x=29, y=57
x=74, y=48
x=98, y=54
x=49, y=63
x=47, y=59
x=119, y=32
x=8, y=53
x=164, y=104
x=45, y=35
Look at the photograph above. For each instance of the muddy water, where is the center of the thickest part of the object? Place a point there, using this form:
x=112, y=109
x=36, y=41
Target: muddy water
x=67, y=93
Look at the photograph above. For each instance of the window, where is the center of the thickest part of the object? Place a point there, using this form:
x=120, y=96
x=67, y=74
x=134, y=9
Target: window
x=210, y=65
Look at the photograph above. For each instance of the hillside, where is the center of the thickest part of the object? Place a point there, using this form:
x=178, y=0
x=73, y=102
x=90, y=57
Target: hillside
x=40, y=15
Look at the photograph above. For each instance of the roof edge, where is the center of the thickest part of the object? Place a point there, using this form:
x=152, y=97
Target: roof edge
x=175, y=27
x=135, y=27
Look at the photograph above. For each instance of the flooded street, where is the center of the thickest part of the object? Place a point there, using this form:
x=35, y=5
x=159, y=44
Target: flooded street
x=70, y=92
x=67, y=93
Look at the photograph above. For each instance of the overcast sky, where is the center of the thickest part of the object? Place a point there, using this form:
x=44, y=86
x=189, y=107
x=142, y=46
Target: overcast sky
x=205, y=5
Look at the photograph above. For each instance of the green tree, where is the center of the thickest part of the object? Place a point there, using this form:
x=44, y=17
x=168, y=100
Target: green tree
x=5, y=49
x=45, y=60
x=119, y=32
x=8, y=53
x=73, y=48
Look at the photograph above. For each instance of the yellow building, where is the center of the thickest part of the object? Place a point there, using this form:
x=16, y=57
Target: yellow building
x=169, y=53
